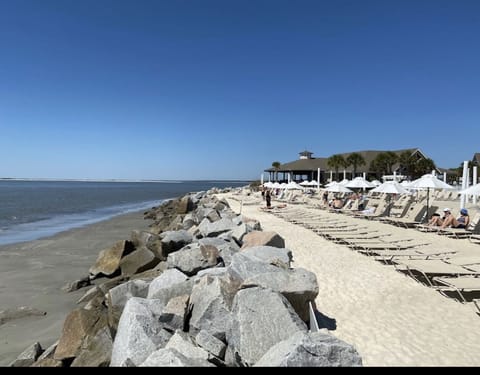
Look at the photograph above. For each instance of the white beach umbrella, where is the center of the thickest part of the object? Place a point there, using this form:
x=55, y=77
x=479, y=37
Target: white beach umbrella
x=344, y=181
x=292, y=185
x=429, y=181
x=331, y=183
x=472, y=190
x=390, y=187
x=305, y=183
x=376, y=183
x=276, y=185
x=313, y=183
x=268, y=184
x=359, y=182
x=337, y=188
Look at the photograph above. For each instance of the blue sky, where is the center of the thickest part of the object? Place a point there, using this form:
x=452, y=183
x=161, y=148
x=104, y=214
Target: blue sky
x=194, y=89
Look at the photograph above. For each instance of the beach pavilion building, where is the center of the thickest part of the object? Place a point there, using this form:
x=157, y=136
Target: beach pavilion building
x=308, y=167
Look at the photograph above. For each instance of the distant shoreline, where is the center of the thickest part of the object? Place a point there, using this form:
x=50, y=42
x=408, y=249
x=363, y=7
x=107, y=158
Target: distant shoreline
x=111, y=180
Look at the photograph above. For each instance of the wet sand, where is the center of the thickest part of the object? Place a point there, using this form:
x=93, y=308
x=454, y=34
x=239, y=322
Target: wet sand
x=33, y=273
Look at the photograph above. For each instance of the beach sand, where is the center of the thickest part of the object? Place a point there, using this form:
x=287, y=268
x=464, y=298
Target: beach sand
x=390, y=318
x=33, y=273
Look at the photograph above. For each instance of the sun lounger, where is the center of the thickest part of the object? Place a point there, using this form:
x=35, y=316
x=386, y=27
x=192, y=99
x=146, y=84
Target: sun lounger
x=467, y=287
x=424, y=270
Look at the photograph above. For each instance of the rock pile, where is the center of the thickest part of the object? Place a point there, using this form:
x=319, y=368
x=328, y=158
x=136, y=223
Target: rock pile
x=203, y=287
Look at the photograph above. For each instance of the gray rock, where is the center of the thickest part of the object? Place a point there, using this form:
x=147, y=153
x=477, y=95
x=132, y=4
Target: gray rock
x=193, y=258
x=172, y=358
x=119, y=295
x=91, y=294
x=149, y=240
x=298, y=285
x=185, y=345
x=279, y=257
x=226, y=247
x=174, y=240
x=210, y=304
x=174, y=315
x=261, y=319
x=211, y=344
x=245, y=267
x=170, y=284
x=139, y=332
x=208, y=229
x=311, y=350
x=28, y=356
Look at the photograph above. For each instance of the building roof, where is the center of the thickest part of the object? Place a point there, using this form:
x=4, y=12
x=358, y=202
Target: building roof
x=322, y=163
x=476, y=157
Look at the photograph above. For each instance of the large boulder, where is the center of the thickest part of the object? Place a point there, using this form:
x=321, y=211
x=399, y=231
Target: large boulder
x=209, y=229
x=171, y=284
x=311, y=350
x=174, y=240
x=139, y=261
x=95, y=351
x=193, y=258
x=108, y=261
x=147, y=239
x=174, y=315
x=258, y=238
x=298, y=285
x=78, y=326
x=28, y=356
x=261, y=319
x=279, y=257
x=210, y=304
x=172, y=358
x=140, y=332
x=244, y=267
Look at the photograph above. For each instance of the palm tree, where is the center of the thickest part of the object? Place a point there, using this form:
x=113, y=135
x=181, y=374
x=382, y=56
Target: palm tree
x=422, y=167
x=336, y=162
x=276, y=165
x=355, y=159
x=384, y=162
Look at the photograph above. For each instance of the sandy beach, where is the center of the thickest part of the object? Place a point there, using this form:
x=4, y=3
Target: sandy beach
x=33, y=273
x=390, y=318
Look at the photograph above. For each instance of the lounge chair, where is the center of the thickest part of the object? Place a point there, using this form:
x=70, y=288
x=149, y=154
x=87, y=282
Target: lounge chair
x=467, y=287
x=425, y=270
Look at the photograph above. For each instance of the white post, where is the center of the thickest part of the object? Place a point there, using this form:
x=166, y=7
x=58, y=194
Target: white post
x=395, y=176
x=364, y=175
x=474, y=183
x=434, y=172
x=344, y=174
x=261, y=179
x=445, y=177
x=331, y=175
x=318, y=179
x=467, y=198
x=464, y=184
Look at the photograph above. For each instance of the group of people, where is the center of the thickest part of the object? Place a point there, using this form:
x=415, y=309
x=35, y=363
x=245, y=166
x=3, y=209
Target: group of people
x=449, y=220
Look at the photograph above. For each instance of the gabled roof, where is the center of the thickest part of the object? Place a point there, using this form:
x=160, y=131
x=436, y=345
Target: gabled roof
x=476, y=157
x=322, y=163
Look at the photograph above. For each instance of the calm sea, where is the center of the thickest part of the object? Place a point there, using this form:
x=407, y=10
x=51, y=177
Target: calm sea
x=34, y=209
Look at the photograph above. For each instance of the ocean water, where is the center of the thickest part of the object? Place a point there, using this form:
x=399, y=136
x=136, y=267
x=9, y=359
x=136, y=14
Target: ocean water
x=31, y=210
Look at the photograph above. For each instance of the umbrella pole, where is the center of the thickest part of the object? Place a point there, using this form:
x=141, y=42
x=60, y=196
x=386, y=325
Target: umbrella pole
x=426, y=216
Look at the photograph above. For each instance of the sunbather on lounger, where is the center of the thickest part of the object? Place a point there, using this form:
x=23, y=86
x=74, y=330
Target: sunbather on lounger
x=461, y=222
x=437, y=221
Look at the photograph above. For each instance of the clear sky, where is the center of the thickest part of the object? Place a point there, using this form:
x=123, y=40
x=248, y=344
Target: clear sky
x=200, y=89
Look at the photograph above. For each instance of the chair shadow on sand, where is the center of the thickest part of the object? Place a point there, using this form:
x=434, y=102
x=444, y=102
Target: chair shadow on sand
x=323, y=321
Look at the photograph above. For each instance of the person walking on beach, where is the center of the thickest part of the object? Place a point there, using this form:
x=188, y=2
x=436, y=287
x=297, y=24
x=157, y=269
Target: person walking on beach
x=268, y=199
